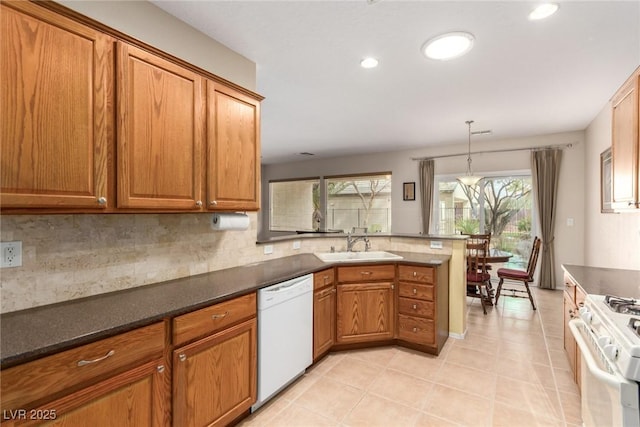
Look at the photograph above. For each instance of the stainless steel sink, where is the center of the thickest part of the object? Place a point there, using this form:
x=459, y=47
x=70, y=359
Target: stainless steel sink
x=356, y=256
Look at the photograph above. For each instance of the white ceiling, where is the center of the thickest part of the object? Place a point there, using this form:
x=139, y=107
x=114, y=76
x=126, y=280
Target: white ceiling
x=522, y=77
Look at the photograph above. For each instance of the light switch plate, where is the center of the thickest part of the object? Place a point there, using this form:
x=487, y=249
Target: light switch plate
x=436, y=244
x=570, y=222
x=268, y=249
x=296, y=244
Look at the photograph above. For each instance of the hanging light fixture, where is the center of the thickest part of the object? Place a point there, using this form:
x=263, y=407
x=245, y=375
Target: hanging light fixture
x=469, y=179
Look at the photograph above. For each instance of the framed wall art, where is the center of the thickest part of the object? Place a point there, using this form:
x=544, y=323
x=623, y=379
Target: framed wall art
x=409, y=191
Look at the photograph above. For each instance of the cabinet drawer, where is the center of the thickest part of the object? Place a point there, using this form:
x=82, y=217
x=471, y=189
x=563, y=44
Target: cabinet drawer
x=416, y=274
x=414, y=290
x=30, y=383
x=416, y=307
x=323, y=278
x=211, y=319
x=366, y=273
x=416, y=329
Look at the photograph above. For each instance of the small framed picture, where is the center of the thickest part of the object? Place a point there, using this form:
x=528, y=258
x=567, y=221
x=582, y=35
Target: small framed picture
x=409, y=191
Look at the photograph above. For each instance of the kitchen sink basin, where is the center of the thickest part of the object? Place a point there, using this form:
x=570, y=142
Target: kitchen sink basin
x=356, y=256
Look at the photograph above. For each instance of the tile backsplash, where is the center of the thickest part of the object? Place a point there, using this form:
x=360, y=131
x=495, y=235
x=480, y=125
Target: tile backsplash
x=73, y=256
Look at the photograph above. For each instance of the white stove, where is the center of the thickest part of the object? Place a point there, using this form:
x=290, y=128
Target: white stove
x=607, y=335
x=615, y=322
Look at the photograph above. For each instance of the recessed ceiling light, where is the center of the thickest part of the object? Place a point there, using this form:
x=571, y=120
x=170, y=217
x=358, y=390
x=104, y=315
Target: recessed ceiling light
x=369, y=63
x=448, y=46
x=543, y=11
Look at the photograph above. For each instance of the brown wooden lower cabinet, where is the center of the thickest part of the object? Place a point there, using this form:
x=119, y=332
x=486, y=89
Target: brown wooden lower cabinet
x=324, y=313
x=573, y=299
x=116, y=381
x=134, y=398
x=365, y=312
x=214, y=378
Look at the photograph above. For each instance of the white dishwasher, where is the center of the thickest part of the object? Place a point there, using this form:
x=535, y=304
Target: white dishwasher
x=285, y=335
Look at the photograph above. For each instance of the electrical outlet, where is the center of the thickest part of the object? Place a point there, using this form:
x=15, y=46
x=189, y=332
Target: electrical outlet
x=296, y=244
x=11, y=254
x=268, y=249
x=436, y=244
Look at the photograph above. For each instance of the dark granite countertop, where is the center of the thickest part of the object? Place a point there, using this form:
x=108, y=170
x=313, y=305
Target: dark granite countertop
x=27, y=335
x=605, y=281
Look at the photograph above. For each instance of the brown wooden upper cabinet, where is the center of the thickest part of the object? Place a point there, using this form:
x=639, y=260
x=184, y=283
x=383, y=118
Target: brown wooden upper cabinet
x=625, y=145
x=56, y=121
x=233, y=167
x=159, y=132
x=93, y=121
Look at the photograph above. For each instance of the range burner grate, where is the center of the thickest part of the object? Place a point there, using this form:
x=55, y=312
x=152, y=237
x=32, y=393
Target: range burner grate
x=622, y=305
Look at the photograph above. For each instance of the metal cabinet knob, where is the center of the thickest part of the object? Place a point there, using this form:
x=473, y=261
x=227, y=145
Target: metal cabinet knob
x=199, y=203
x=415, y=291
x=102, y=200
x=415, y=307
x=415, y=274
x=415, y=329
x=182, y=357
x=213, y=202
x=160, y=368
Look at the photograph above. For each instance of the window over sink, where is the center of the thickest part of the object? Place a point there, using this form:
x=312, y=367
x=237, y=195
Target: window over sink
x=331, y=203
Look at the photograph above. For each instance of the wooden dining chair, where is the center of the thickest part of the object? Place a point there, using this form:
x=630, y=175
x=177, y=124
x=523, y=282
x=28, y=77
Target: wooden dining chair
x=478, y=279
x=525, y=277
x=479, y=238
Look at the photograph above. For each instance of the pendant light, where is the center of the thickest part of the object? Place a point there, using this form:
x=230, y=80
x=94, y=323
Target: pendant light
x=469, y=179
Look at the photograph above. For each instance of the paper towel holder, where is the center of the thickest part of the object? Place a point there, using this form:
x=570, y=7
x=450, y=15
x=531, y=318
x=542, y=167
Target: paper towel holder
x=221, y=221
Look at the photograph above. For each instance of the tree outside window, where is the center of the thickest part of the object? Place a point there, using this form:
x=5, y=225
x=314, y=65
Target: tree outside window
x=360, y=202
x=501, y=205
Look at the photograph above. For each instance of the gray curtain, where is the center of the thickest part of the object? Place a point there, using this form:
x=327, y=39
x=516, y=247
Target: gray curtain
x=545, y=168
x=426, y=192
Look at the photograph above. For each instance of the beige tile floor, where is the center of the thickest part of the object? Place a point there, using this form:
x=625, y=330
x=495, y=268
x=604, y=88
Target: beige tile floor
x=510, y=370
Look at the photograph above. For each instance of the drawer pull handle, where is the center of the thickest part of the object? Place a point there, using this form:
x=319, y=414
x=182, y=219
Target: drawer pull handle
x=415, y=274
x=366, y=273
x=415, y=291
x=415, y=329
x=220, y=316
x=415, y=306
x=99, y=359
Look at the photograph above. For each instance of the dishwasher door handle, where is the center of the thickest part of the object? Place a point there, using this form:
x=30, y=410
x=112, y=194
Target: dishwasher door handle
x=284, y=287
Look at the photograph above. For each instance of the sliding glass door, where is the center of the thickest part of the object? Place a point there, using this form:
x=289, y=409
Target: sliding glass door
x=501, y=205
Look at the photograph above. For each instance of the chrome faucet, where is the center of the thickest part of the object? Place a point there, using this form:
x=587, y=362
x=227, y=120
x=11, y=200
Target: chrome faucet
x=352, y=240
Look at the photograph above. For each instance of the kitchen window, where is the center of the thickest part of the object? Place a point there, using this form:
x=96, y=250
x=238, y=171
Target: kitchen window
x=336, y=203
x=501, y=204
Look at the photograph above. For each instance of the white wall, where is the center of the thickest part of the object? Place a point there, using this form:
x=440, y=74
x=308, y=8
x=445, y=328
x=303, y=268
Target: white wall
x=152, y=25
x=611, y=240
x=406, y=214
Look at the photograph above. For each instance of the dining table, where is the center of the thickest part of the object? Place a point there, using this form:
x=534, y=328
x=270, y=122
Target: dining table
x=495, y=256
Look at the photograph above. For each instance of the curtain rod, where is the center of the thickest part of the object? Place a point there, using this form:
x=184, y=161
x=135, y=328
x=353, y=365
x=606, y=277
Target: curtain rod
x=543, y=147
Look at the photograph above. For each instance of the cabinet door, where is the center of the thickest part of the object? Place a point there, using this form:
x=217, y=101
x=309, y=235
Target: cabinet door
x=56, y=124
x=137, y=397
x=624, y=145
x=233, y=153
x=215, y=378
x=569, y=342
x=364, y=312
x=160, y=132
x=324, y=320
